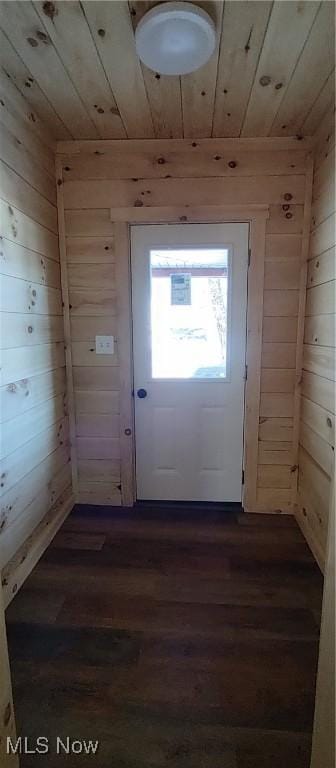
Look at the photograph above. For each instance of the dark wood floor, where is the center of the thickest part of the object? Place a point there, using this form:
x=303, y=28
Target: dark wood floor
x=176, y=639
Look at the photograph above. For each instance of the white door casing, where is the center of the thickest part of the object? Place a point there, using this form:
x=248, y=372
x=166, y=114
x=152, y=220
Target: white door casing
x=189, y=431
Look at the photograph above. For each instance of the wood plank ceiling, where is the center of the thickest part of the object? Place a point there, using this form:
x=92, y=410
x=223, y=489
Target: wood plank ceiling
x=76, y=64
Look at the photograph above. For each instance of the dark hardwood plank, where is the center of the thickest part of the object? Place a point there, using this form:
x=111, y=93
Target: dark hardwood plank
x=174, y=639
x=69, y=540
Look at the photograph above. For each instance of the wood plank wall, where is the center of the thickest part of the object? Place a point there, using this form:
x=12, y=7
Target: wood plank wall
x=317, y=427
x=7, y=718
x=90, y=250
x=324, y=742
x=100, y=175
x=35, y=468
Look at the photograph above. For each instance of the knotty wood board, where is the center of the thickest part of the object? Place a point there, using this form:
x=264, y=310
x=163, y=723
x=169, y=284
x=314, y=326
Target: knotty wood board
x=317, y=435
x=108, y=184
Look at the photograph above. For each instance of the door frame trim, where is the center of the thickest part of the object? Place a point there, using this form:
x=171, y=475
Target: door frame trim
x=256, y=216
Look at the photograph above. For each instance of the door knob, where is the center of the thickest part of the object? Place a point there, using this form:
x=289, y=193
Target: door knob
x=142, y=393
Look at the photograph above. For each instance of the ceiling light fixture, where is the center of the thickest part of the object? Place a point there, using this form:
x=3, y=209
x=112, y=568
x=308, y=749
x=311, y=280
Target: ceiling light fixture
x=175, y=38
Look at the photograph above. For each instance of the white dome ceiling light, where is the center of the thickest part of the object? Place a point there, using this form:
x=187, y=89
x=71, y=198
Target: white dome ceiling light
x=175, y=38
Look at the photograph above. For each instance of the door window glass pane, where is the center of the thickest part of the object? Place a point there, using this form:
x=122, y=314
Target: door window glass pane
x=189, y=313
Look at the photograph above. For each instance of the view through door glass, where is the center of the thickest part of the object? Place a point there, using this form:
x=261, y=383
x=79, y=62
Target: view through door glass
x=189, y=313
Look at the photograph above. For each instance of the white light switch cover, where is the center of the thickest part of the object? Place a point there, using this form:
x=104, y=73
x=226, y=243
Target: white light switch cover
x=104, y=345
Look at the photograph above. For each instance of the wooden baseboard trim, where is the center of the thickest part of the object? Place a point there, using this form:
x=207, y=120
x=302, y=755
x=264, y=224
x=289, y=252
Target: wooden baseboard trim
x=20, y=566
x=255, y=510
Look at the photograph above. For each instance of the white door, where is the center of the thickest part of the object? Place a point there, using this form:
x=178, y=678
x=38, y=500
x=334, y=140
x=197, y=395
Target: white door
x=189, y=295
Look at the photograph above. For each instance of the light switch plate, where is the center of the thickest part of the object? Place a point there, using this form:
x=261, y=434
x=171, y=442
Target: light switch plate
x=104, y=345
